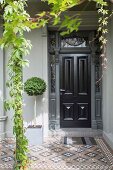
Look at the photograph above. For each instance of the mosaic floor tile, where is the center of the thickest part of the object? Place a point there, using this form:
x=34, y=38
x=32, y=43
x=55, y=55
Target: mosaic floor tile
x=80, y=150
x=56, y=159
x=80, y=159
x=45, y=154
x=68, y=154
x=88, y=146
x=7, y=159
x=103, y=160
x=91, y=154
x=55, y=155
x=35, y=149
x=3, y=153
x=57, y=149
x=49, y=146
x=33, y=158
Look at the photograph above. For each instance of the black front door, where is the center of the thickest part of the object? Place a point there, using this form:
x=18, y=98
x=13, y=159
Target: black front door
x=75, y=90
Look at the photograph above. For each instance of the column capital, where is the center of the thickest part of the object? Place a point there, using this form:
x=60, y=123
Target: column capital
x=44, y=31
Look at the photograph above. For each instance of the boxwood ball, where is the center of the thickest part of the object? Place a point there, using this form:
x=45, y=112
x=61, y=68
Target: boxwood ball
x=34, y=86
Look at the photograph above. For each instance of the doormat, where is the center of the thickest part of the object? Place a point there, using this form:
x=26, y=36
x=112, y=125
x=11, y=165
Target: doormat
x=79, y=140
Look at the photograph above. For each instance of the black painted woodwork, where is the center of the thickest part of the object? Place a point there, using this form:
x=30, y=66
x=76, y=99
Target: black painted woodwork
x=75, y=91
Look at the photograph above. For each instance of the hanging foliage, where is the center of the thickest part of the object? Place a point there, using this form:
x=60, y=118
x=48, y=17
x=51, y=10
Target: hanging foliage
x=16, y=22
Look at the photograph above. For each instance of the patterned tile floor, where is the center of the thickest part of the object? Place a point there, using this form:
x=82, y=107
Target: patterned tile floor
x=54, y=155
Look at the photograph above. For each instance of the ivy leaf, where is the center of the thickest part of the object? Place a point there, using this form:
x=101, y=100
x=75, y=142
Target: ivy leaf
x=8, y=9
x=56, y=21
x=41, y=14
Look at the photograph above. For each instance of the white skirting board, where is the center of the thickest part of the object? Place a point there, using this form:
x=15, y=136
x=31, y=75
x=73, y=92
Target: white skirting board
x=108, y=138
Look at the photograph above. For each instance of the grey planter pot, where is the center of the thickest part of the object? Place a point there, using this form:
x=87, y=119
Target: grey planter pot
x=34, y=135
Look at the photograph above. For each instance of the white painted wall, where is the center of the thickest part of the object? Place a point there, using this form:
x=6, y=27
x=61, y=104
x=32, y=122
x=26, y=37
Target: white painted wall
x=108, y=90
x=37, y=67
x=9, y=114
x=1, y=89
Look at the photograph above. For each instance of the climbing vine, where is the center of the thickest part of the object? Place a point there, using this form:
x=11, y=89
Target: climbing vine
x=104, y=16
x=16, y=22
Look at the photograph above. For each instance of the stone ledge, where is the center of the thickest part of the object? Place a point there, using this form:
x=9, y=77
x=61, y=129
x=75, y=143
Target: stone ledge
x=76, y=132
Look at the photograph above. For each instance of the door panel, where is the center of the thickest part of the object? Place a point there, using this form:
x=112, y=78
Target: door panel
x=68, y=111
x=82, y=111
x=82, y=76
x=68, y=73
x=75, y=95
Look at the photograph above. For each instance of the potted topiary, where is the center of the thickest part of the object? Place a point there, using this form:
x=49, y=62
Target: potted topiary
x=34, y=86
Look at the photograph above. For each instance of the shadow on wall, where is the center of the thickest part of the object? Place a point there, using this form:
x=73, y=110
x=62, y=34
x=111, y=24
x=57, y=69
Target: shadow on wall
x=1, y=103
x=28, y=108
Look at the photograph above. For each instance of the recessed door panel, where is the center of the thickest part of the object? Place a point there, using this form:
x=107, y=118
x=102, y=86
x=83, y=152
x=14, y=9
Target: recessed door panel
x=68, y=110
x=68, y=73
x=82, y=76
x=82, y=111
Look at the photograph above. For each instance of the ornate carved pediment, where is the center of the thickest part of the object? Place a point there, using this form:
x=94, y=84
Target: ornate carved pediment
x=73, y=42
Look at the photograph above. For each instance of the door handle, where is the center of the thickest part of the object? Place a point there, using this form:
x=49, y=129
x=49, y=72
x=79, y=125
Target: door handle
x=62, y=90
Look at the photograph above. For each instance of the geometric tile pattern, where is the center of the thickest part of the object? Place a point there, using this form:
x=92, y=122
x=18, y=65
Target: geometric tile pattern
x=54, y=154
x=56, y=159
x=91, y=154
x=7, y=158
x=80, y=159
x=68, y=154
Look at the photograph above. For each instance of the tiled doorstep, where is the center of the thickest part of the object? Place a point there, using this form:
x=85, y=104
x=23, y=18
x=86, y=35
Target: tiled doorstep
x=76, y=132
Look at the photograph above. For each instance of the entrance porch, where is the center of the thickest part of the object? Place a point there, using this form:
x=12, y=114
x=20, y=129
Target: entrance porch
x=75, y=94
x=45, y=63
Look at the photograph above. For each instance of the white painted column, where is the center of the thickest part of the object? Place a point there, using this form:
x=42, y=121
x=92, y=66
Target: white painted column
x=108, y=90
x=45, y=111
x=2, y=79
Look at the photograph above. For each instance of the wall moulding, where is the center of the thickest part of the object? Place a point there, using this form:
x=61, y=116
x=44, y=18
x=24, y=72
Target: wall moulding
x=3, y=118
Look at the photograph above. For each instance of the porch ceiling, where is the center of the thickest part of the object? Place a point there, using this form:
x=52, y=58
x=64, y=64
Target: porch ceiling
x=36, y=6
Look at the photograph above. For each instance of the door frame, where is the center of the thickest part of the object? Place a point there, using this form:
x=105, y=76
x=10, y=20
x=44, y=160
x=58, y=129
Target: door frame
x=54, y=119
